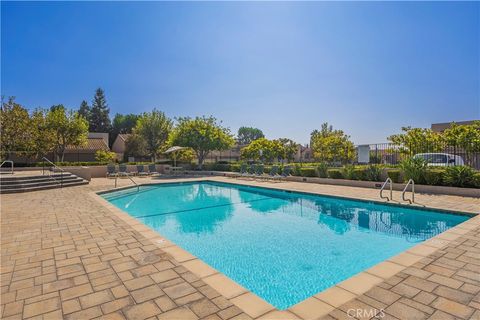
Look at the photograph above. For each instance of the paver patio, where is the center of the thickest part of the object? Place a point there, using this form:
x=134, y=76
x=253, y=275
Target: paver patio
x=65, y=255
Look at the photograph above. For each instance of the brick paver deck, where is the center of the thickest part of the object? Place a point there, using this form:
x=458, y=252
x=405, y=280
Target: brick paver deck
x=65, y=255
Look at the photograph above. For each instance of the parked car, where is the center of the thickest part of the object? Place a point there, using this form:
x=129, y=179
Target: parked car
x=441, y=159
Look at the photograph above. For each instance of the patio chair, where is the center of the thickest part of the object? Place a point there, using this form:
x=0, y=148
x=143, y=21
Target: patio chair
x=243, y=171
x=141, y=171
x=285, y=173
x=122, y=170
x=111, y=171
x=152, y=169
x=273, y=174
x=259, y=171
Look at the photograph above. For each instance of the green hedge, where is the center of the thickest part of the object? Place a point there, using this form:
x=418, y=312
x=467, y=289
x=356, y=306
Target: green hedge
x=335, y=174
x=308, y=172
x=395, y=175
x=434, y=177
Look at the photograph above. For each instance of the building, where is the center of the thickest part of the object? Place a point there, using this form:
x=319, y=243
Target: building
x=303, y=154
x=95, y=141
x=119, y=145
x=440, y=127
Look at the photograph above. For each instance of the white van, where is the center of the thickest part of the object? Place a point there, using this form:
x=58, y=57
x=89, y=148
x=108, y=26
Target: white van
x=441, y=159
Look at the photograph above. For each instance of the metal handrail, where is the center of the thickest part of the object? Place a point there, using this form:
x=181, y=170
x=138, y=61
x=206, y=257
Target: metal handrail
x=389, y=181
x=57, y=167
x=136, y=184
x=7, y=161
x=413, y=191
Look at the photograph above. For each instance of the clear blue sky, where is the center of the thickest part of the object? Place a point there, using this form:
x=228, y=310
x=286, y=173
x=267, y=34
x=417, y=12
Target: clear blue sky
x=367, y=68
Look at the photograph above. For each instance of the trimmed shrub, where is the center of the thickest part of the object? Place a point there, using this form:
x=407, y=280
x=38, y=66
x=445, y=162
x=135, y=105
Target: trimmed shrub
x=235, y=167
x=359, y=173
x=373, y=173
x=322, y=169
x=459, y=176
x=434, y=177
x=221, y=167
x=335, y=173
x=395, y=175
x=348, y=172
x=476, y=180
x=296, y=170
x=308, y=172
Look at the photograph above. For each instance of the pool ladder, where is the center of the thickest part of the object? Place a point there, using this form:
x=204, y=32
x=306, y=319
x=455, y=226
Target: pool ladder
x=390, y=183
x=413, y=191
x=136, y=184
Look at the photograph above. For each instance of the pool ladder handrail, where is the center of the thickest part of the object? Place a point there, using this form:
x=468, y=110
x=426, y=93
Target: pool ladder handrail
x=7, y=161
x=136, y=184
x=413, y=191
x=389, y=181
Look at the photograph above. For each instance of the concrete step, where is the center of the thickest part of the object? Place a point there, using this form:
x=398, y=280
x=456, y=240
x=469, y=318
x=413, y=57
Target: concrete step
x=46, y=187
x=25, y=183
x=21, y=178
x=29, y=184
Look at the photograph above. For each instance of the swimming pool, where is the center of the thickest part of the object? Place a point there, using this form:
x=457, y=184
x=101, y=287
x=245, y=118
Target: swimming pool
x=282, y=246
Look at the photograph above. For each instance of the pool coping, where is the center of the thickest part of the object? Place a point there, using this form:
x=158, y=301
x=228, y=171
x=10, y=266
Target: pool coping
x=319, y=304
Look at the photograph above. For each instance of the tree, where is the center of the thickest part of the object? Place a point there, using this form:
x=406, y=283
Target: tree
x=418, y=140
x=135, y=146
x=263, y=149
x=16, y=128
x=99, y=118
x=123, y=123
x=43, y=135
x=68, y=127
x=466, y=137
x=248, y=134
x=85, y=111
x=203, y=135
x=289, y=148
x=329, y=145
x=154, y=128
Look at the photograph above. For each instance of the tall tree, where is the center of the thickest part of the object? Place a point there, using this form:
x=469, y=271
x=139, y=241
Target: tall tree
x=16, y=128
x=262, y=149
x=329, y=145
x=43, y=135
x=289, y=148
x=154, y=128
x=99, y=119
x=418, y=140
x=85, y=111
x=203, y=135
x=121, y=124
x=247, y=134
x=68, y=127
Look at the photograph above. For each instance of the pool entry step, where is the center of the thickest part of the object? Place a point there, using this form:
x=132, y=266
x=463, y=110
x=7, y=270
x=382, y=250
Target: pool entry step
x=26, y=183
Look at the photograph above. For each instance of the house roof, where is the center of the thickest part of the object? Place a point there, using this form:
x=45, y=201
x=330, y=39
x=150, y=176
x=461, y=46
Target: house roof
x=92, y=145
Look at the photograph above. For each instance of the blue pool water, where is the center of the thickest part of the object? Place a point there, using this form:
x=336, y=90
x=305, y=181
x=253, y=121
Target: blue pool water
x=283, y=246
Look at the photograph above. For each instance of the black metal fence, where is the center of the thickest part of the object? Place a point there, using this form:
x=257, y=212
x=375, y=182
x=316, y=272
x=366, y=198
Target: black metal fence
x=438, y=153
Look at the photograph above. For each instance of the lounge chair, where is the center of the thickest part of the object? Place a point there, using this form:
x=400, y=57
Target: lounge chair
x=141, y=171
x=111, y=171
x=259, y=171
x=273, y=174
x=152, y=169
x=122, y=171
x=285, y=173
x=243, y=170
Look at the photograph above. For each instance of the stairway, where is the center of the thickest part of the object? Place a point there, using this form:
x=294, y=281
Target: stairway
x=26, y=183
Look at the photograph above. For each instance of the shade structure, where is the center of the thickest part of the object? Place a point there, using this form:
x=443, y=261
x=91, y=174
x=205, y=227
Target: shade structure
x=174, y=150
